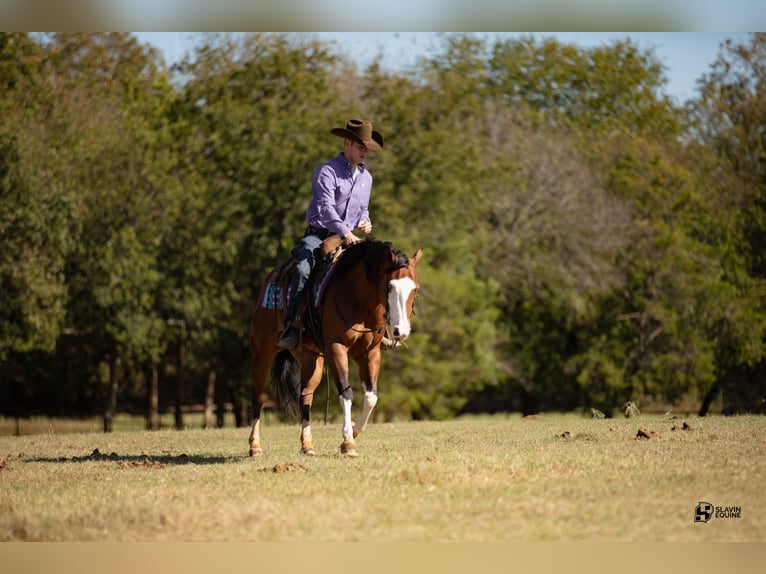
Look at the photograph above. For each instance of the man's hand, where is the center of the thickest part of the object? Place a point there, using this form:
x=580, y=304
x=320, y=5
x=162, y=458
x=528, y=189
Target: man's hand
x=365, y=227
x=350, y=239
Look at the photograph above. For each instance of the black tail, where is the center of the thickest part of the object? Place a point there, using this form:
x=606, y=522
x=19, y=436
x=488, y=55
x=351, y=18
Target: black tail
x=286, y=380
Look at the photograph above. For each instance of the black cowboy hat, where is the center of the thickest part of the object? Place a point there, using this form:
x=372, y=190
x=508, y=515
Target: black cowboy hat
x=360, y=131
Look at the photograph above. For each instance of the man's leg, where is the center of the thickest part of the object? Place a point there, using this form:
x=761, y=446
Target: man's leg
x=305, y=252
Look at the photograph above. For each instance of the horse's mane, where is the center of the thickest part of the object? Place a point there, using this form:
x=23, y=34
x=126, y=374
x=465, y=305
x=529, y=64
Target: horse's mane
x=371, y=251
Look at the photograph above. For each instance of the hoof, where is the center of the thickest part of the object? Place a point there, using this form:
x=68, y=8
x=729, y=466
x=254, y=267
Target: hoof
x=308, y=451
x=255, y=446
x=348, y=449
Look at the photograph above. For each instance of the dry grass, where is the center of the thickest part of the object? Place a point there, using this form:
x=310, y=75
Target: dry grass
x=553, y=478
x=122, y=422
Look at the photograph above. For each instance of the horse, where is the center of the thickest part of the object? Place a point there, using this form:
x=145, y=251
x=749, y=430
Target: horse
x=368, y=294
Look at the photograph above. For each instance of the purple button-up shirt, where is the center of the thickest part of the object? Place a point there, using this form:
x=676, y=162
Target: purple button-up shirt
x=338, y=202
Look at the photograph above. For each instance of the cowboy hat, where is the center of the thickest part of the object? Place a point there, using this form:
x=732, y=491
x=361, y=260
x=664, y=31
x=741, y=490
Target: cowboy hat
x=360, y=131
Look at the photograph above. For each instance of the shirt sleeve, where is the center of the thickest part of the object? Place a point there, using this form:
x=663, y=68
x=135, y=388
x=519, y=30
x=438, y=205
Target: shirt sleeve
x=366, y=205
x=323, y=190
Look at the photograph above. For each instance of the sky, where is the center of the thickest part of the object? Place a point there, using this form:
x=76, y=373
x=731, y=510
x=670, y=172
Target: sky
x=685, y=55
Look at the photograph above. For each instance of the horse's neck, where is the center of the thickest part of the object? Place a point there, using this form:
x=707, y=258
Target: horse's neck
x=363, y=300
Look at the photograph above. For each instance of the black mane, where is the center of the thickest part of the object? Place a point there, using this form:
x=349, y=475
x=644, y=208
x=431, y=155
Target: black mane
x=371, y=251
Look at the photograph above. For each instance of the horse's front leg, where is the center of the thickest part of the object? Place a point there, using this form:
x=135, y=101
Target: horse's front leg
x=339, y=365
x=369, y=369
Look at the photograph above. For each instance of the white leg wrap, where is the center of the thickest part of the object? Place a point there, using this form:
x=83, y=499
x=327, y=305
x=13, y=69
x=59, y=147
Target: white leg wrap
x=347, y=429
x=255, y=432
x=306, y=430
x=370, y=400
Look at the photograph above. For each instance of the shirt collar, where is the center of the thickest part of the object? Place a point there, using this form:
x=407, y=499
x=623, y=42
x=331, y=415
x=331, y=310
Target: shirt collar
x=347, y=163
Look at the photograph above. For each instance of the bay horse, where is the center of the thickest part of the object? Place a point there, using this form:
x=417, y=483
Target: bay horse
x=368, y=294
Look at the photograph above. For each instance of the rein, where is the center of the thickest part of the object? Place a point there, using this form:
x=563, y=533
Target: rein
x=384, y=327
x=377, y=329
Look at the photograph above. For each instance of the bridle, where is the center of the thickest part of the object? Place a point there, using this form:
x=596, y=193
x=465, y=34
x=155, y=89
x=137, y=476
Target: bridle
x=384, y=328
x=387, y=315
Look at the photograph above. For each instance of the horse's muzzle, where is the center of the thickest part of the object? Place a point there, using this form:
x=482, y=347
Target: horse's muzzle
x=400, y=334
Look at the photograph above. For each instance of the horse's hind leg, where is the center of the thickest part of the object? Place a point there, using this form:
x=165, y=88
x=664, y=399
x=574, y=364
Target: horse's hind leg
x=311, y=367
x=259, y=373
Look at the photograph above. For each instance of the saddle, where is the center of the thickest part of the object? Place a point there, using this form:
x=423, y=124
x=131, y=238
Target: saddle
x=276, y=294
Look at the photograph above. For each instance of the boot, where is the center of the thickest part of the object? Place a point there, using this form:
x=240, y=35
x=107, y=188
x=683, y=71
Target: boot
x=291, y=336
x=290, y=339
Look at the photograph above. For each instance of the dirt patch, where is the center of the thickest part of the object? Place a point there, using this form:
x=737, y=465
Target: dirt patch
x=285, y=467
x=96, y=455
x=577, y=436
x=644, y=434
x=146, y=463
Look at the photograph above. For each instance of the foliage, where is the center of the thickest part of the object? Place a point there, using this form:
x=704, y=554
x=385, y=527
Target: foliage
x=586, y=241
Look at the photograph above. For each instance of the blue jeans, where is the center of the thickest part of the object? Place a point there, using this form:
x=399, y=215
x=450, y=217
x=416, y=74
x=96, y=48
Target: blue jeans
x=307, y=252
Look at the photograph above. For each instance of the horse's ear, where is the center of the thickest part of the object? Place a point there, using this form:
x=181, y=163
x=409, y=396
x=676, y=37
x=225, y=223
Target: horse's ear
x=415, y=258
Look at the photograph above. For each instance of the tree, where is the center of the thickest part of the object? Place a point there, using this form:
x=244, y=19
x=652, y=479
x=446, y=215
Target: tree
x=730, y=115
x=729, y=118
x=34, y=233
x=581, y=246
x=36, y=214
x=247, y=99
x=115, y=89
x=604, y=88
x=556, y=235
x=429, y=193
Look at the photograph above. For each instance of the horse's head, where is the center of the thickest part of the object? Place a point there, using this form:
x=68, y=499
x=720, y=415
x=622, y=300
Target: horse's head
x=402, y=288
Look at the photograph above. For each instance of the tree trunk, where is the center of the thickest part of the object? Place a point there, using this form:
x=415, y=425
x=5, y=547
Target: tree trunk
x=709, y=398
x=207, y=421
x=179, y=385
x=241, y=417
x=220, y=411
x=153, y=419
x=111, y=405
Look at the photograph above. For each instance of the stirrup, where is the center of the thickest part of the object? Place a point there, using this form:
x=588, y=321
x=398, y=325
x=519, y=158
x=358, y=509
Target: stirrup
x=290, y=339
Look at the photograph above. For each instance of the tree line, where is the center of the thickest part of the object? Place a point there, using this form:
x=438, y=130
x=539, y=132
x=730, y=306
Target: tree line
x=588, y=240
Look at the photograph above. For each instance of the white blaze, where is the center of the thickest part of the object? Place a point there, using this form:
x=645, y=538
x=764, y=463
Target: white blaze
x=399, y=293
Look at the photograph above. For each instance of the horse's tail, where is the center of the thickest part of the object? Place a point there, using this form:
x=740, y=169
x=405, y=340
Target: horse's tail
x=286, y=381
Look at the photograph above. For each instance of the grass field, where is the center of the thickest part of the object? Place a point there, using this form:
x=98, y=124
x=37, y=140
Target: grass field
x=122, y=422
x=549, y=478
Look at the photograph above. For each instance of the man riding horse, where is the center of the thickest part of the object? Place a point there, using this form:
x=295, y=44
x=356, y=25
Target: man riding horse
x=340, y=197
x=363, y=303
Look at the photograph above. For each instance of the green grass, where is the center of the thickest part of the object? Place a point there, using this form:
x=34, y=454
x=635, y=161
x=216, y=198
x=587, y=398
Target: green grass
x=471, y=479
